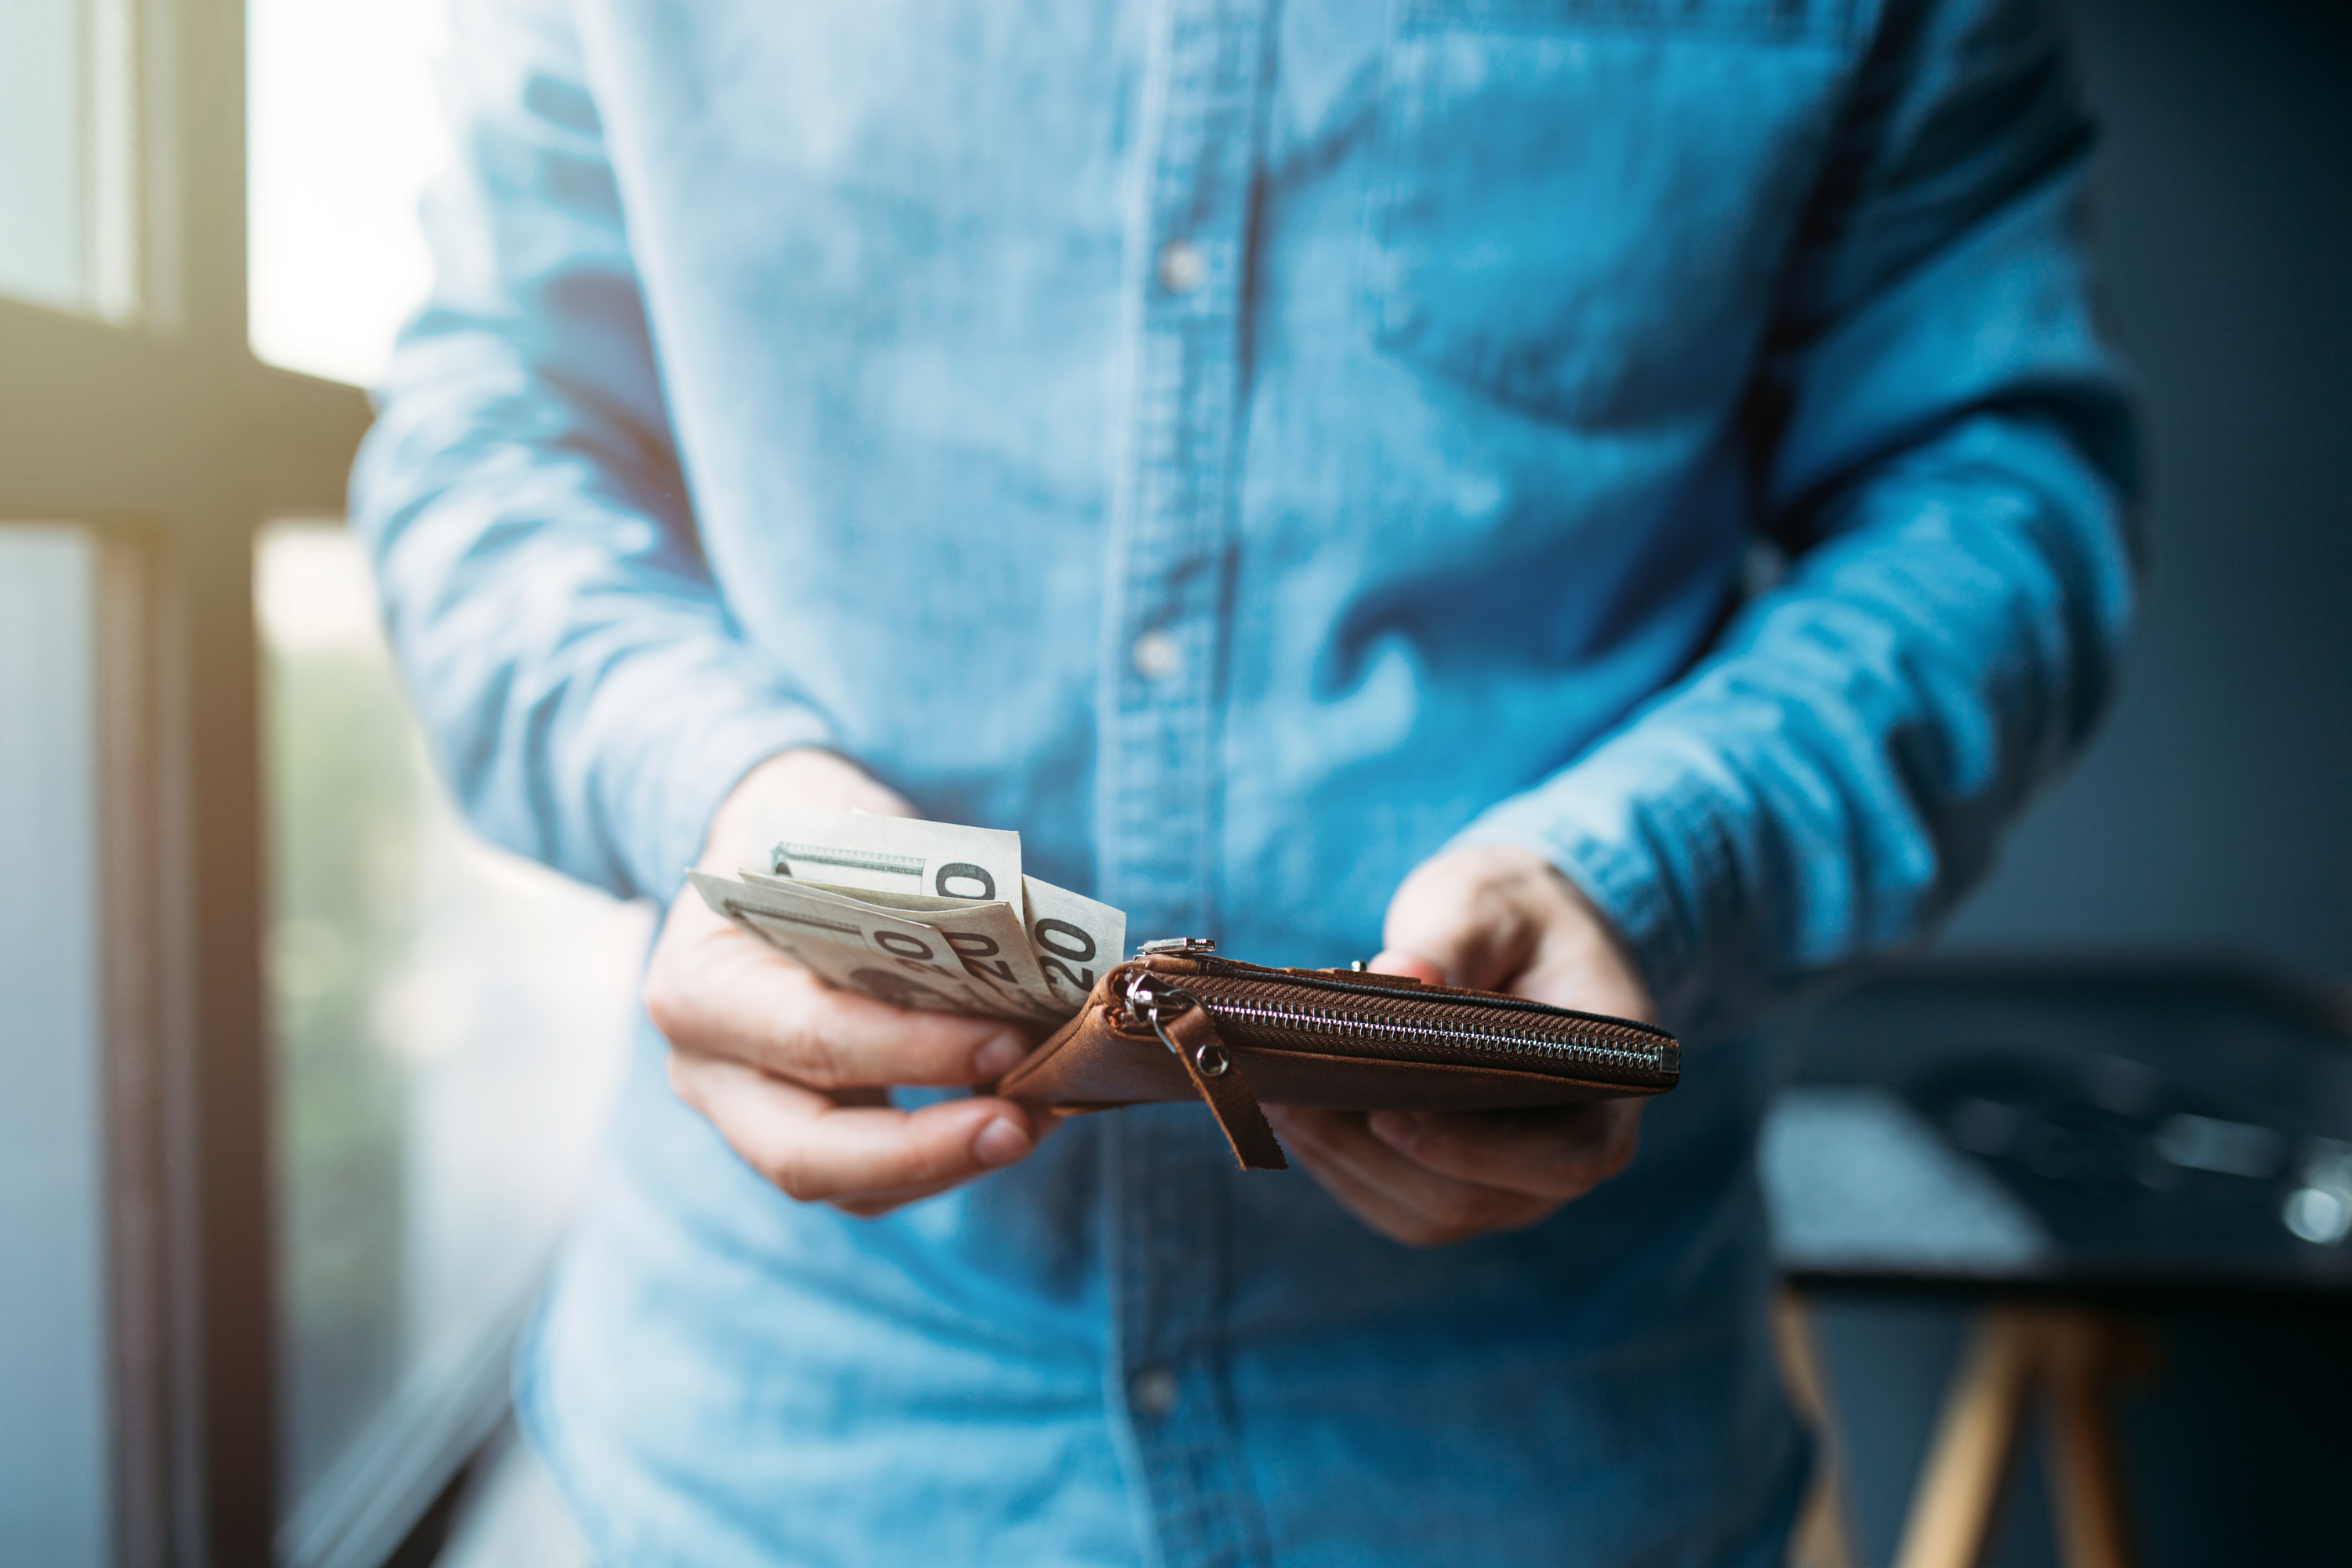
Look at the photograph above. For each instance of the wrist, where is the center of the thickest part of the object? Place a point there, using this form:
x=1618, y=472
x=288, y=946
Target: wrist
x=802, y=777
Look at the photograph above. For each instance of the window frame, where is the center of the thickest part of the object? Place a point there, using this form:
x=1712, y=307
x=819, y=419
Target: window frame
x=157, y=429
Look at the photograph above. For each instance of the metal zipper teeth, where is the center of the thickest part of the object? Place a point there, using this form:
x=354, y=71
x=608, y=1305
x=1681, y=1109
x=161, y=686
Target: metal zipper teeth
x=1365, y=985
x=1461, y=1040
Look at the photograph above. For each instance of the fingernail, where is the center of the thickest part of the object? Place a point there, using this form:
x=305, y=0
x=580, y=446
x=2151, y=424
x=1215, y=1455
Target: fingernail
x=1399, y=1128
x=1001, y=1142
x=999, y=1056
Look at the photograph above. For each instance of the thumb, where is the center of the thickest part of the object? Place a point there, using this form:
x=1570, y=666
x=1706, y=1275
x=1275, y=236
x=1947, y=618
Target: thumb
x=1463, y=919
x=1431, y=933
x=1396, y=961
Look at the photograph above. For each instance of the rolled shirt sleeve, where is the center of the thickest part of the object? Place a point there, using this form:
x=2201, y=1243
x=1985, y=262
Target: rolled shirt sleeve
x=587, y=692
x=1946, y=451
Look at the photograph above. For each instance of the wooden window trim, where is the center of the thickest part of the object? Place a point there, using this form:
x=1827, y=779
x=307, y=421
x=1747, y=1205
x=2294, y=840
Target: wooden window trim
x=163, y=434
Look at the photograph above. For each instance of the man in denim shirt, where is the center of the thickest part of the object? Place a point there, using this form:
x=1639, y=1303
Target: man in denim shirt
x=1303, y=466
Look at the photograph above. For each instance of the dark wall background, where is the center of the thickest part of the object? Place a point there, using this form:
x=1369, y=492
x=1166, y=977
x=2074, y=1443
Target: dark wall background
x=2215, y=813
x=2216, y=810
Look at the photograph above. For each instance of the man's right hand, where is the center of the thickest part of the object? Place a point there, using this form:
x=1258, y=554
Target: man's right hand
x=796, y=1075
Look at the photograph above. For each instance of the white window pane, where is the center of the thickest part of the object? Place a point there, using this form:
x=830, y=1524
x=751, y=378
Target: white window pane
x=450, y=1023
x=43, y=242
x=65, y=179
x=343, y=130
x=53, y=1298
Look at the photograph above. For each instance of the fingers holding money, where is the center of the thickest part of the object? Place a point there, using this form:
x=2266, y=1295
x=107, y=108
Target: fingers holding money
x=715, y=991
x=866, y=1160
x=793, y=1073
x=774, y=1042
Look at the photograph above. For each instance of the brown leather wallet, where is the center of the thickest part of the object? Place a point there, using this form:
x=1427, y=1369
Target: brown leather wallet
x=1178, y=1021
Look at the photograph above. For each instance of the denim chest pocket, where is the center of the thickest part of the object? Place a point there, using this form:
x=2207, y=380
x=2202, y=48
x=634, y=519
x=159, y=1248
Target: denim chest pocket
x=1583, y=207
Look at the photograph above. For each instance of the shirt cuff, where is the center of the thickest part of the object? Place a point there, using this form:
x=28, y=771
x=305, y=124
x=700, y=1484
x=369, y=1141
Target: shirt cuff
x=692, y=778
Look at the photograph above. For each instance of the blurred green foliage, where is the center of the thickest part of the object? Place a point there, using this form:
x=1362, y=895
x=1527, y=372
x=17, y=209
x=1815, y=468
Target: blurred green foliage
x=346, y=799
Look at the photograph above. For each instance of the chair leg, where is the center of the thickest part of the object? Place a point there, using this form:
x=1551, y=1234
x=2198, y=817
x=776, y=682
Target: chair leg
x=2085, y=1353
x=1823, y=1538
x=1958, y=1494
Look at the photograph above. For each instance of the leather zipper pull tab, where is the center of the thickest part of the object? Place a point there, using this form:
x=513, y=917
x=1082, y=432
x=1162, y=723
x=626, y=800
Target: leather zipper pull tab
x=1216, y=1073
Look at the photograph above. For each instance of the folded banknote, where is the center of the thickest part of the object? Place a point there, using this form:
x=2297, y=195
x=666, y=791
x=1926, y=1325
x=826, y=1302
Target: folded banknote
x=928, y=915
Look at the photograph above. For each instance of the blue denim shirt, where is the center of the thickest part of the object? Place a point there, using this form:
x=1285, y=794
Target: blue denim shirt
x=1247, y=447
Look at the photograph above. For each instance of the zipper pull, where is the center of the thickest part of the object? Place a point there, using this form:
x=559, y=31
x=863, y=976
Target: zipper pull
x=1176, y=945
x=1184, y=1027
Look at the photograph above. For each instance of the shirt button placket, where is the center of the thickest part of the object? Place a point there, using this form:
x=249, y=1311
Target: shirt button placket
x=1166, y=1192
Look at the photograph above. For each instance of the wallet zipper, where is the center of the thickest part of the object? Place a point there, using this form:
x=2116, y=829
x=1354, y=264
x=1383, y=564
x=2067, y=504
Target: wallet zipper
x=1376, y=1029
x=1237, y=1017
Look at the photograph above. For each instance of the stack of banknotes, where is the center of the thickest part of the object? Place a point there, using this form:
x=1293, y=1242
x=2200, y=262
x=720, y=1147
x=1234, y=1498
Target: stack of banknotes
x=928, y=915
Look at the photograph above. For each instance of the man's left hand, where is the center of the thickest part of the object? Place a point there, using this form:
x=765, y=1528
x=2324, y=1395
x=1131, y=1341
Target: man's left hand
x=1496, y=918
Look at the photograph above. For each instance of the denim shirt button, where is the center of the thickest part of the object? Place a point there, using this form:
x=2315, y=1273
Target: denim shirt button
x=1157, y=654
x=1153, y=1392
x=1182, y=266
